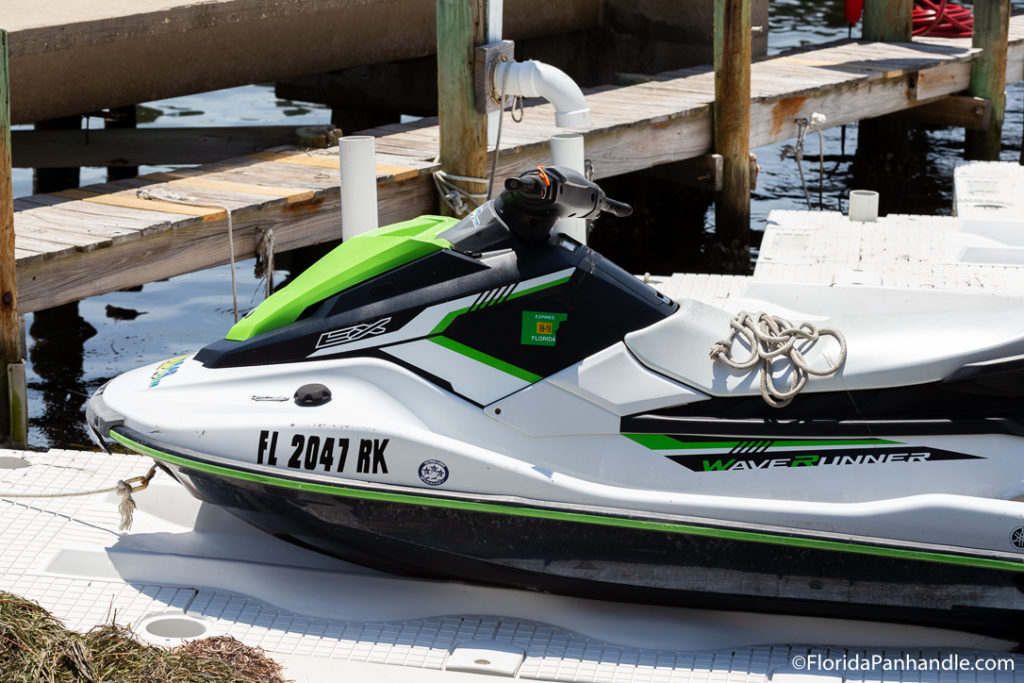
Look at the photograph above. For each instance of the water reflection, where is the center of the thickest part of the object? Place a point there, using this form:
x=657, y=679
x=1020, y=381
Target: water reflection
x=58, y=337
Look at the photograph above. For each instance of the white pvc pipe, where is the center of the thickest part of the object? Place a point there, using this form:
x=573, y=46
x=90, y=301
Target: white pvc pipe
x=495, y=12
x=358, y=185
x=536, y=79
x=495, y=16
x=567, y=150
x=863, y=206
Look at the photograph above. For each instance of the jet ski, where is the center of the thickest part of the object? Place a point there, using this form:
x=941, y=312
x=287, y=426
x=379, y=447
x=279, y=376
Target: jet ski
x=489, y=400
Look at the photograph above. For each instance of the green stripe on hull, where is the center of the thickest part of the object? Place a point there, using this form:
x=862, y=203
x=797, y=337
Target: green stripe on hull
x=577, y=517
x=486, y=359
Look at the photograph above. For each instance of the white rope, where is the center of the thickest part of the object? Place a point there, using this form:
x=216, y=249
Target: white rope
x=179, y=198
x=457, y=198
x=769, y=338
x=124, y=488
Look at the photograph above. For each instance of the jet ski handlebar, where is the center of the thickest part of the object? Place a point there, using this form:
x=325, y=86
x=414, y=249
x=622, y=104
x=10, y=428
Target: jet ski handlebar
x=534, y=201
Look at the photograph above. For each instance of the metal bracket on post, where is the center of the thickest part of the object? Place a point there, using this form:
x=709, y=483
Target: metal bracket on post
x=486, y=58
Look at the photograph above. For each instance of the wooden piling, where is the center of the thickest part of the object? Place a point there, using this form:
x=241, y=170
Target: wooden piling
x=888, y=21
x=880, y=162
x=988, y=75
x=732, y=119
x=461, y=26
x=122, y=118
x=13, y=418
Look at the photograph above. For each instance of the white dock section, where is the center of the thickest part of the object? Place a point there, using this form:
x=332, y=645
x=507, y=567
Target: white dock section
x=936, y=252
x=190, y=570
x=980, y=249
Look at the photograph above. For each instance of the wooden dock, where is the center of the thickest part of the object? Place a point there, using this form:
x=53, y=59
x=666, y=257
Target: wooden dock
x=100, y=238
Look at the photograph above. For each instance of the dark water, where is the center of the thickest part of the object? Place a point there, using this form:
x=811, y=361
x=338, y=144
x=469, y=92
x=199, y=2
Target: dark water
x=116, y=332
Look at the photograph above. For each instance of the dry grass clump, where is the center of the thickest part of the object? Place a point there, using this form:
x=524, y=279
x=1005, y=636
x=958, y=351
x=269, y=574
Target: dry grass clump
x=36, y=648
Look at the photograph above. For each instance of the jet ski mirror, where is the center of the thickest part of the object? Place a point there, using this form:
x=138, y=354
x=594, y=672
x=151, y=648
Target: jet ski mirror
x=533, y=202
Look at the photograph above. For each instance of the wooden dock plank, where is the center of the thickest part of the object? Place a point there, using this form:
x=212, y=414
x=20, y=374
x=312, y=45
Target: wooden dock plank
x=389, y=171
x=130, y=201
x=204, y=181
x=56, y=218
x=144, y=222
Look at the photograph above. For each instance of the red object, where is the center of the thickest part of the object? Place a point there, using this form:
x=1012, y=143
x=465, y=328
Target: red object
x=941, y=19
x=853, y=10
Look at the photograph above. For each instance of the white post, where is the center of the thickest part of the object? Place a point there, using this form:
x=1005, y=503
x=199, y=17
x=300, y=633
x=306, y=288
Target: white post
x=358, y=185
x=567, y=150
x=863, y=206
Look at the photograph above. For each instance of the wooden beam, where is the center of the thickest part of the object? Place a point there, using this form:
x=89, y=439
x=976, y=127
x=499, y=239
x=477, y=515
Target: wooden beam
x=961, y=111
x=149, y=146
x=12, y=412
x=732, y=119
x=988, y=75
x=121, y=53
x=406, y=87
x=461, y=26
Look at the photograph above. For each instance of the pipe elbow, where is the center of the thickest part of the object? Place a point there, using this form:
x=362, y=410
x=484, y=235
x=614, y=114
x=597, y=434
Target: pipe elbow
x=536, y=79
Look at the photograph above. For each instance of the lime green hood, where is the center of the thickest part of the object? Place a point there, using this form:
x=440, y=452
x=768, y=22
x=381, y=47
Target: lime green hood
x=355, y=260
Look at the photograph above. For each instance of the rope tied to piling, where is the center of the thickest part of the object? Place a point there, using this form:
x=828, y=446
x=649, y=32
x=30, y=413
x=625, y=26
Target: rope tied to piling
x=124, y=488
x=769, y=338
x=162, y=195
x=459, y=199
x=265, y=258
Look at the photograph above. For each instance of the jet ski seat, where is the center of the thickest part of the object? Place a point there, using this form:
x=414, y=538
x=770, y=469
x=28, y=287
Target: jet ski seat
x=885, y=349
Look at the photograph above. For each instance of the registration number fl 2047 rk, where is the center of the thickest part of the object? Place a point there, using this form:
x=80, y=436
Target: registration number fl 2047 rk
x=327, y=453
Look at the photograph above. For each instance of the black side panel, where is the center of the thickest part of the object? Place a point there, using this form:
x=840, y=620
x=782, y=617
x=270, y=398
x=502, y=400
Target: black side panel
x=595, y=309
x=979, y=403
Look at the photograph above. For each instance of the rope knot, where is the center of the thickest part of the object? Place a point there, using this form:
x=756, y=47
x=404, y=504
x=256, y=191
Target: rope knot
x=125, y=489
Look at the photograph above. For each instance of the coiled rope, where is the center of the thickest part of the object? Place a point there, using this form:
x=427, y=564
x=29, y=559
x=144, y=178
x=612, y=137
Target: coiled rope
x=770, y=337
x=124, y=488
x=942, y=19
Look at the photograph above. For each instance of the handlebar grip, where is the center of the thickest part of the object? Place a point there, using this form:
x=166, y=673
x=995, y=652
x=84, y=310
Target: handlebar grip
x=530, y=186
x=616, y=208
